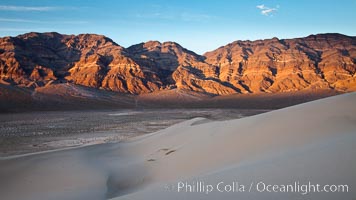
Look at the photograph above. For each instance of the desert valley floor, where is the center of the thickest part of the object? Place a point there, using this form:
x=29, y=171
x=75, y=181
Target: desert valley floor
x=39, y=131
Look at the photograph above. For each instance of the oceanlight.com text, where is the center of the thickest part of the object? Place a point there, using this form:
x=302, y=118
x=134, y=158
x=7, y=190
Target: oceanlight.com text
x=260, y=186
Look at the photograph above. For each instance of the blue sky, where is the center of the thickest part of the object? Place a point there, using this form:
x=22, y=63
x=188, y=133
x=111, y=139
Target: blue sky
x=199, y=25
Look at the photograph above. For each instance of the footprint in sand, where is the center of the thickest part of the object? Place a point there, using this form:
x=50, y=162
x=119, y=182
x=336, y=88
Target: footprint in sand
x=160, y=153
x=169, y=152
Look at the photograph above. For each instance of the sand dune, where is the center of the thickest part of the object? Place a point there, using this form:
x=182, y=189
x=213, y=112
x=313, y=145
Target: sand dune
x=311, y=142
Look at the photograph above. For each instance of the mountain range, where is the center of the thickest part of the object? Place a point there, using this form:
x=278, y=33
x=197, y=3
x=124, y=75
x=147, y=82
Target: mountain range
x=38, y=60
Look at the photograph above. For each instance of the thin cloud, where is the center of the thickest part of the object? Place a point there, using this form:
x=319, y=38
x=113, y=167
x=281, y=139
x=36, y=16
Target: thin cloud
x=14, y=30
x=169, y=13
x=27, y=8
x=188, y=17
x=71, y=22
x=267, y=11
x=17, y=20
x=195, y=17
x=261, y=7
x=156, y=15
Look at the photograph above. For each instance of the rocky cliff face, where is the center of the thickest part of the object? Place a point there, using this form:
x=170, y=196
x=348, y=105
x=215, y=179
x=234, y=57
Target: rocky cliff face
x=316, y=62
x=179, y=67
x=34, y=60
x=325, y=61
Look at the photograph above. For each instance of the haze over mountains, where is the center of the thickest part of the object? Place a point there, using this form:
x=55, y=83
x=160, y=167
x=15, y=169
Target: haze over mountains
x=323, y=61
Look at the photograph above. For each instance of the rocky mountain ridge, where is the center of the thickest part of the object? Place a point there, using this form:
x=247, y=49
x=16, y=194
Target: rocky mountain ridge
x=323, y=61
